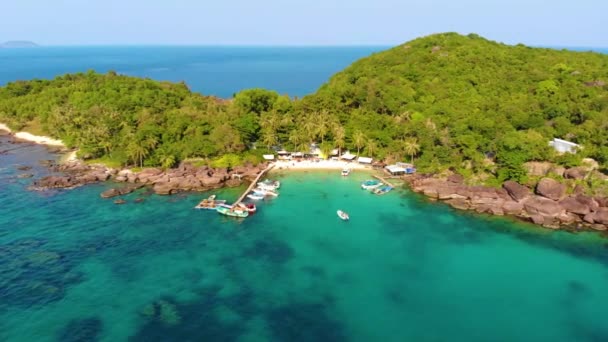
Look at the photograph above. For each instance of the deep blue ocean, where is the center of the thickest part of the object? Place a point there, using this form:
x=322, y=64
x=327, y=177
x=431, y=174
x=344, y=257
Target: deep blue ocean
x=220, y=71
x=76, y=267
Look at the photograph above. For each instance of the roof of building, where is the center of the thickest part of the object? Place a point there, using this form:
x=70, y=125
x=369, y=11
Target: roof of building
x=395, y=168
x=365, y=160
x=268, y=156
x=348, y=156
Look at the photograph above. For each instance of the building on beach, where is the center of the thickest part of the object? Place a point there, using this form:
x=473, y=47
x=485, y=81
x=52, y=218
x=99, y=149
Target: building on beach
x=399, y=169
x=563, y=146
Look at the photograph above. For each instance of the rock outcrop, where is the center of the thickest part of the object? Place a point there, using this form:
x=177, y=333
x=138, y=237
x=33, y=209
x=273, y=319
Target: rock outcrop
x=550, y=189
x=549, y=207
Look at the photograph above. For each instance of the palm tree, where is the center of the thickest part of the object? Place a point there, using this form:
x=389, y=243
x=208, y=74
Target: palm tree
x=269, y=138
x=167, y=160
x=295, y=138
x=359, y=140
x=137, y=152
x=339, y=136
x=310, y=127
x=371, y=147
x=412, y=147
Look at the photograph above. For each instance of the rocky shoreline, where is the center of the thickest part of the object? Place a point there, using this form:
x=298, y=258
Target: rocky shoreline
x=547, y=205
x=186, y=177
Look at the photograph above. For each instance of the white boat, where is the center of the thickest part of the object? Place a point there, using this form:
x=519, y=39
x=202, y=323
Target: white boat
x=266, y=192
x=345, y=172
x=371, y=184
x=249, y=207
x=269, y=184
x=343, y=215
x=255, y=196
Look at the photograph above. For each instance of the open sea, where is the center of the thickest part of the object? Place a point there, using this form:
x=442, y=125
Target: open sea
x=76, y=267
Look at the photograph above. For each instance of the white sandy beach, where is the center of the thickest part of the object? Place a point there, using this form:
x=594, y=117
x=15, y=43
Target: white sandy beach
x=38, y=139
x=320, y=165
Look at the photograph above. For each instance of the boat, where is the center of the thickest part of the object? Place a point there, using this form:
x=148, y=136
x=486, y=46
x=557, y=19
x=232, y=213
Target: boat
x=234, y=212
x=209, y=204
x=211, y=198
x=382, y=190
x=343, y=215
x=255, y=196
x=265, y=192
x=370, y=184
x=345, y=172
x=249, y=207
x=268, y=184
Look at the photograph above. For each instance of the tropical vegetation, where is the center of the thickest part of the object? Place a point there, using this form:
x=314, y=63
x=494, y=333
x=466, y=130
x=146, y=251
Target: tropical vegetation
x=445, y=101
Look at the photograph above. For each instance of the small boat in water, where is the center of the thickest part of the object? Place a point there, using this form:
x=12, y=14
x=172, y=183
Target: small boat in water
x=269, y=184
x=383, y=189
x=370, y=184
x=265, y=192
x=255, y=196
x=209, y=203
x=343, y=215
x=249, y=207
x=345, y=172
x=234, y=212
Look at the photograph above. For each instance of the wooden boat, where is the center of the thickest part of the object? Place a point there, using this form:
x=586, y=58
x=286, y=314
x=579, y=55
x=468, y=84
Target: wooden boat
x=371, y=184
x=209, y=204
x=234, y=212
x=255, y=196
x=249, y=207
x=383, y=190
x=269, y=184
x=343, y=215
x=345, y=172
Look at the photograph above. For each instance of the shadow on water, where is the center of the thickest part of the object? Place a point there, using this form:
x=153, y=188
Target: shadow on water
x=81, y=330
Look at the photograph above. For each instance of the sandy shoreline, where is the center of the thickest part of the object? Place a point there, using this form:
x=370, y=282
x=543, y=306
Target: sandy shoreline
x=38, y=139
x=283, y=165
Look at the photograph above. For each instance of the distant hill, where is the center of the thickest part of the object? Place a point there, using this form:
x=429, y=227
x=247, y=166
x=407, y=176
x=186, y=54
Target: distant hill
x=18, y=44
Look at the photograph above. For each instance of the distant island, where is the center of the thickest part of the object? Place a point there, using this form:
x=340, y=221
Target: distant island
x=18, y=44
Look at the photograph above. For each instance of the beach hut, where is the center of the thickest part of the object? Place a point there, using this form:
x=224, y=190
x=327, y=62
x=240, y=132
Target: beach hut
x=364, y=160
x=348, y=156
x=395, y=170
x=563, y=146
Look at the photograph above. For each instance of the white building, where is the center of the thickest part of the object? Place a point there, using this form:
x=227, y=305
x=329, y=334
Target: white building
x=563, y=146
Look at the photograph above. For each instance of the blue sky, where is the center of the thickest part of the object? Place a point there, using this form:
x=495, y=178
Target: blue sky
x=297, y=22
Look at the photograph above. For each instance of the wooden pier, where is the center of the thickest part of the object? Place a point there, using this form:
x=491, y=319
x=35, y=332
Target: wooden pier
x=383, y=180
x=253, y=184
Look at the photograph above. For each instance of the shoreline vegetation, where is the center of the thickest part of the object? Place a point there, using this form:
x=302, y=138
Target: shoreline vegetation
x=459, y=106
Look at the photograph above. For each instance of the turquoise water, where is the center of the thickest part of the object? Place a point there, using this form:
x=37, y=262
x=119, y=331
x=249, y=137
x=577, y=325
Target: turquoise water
x=75, y=267
x=220, y=71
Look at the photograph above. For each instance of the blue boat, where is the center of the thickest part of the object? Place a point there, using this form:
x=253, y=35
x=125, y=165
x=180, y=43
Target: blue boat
x=370, y=184
x=382, y=190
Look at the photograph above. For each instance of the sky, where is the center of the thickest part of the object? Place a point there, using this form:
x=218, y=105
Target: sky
x=562, y=23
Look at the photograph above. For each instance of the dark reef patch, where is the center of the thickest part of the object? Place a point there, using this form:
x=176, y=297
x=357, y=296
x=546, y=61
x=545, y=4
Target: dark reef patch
x=304, y=322
x=81, y=330
x=270, y=249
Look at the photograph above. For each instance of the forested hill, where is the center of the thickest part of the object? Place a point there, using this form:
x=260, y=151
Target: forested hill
x=449, y=101
x=464, y=98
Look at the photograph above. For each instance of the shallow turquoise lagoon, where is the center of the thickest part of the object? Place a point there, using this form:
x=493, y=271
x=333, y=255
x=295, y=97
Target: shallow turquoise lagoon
x=75, y=267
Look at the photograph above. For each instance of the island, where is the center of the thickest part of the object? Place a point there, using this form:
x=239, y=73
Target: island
x=497, y=128
x=13, y=44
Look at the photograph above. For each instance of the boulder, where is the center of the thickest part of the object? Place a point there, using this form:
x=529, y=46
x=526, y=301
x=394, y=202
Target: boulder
x=590, y=164
x=602, y=201
x=458, y=203
x=233, y=182
x=571, y=204
x=211, y=181
x=542, y=206
x=588, y=201
x=25, y=175
x=538, y=168
x=517, y=191
x=456, y=178
x=54, y=182
x=24, y=168
x=110, y=193
x=164, y=188
x=551, y=189
x=576, y=173
x=601, y=216
x=120, y=201
x=512, y=208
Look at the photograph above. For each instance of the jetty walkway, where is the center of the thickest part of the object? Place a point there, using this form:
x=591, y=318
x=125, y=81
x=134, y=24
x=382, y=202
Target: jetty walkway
x=253, y=184
x=383, y=180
